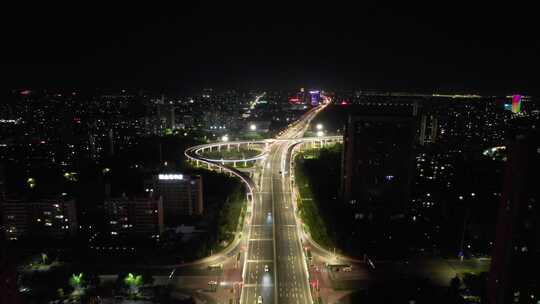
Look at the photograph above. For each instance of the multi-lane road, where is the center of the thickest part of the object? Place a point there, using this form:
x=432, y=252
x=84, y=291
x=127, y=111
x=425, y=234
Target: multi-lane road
x=276, y=269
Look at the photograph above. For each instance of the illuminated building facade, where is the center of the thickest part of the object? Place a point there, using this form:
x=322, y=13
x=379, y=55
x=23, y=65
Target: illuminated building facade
x=138, y=217
x=315, y=97
x=428, y=129
x=377, y=163
x=182, y=194
x=513, y=276
x=50, y=218
x=516, y=103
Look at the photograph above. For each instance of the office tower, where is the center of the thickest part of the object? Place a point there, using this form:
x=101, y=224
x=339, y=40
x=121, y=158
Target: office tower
x=8, y=278
x=166, y=114
x=49, y=218
x=314, y=98
x=428, y=129
x=111, y=142
x=188, y=121
x=2, y=180
x=516, y=104
x=377, y=162
x=182, y=194
x=513, y=276
x=136, y=217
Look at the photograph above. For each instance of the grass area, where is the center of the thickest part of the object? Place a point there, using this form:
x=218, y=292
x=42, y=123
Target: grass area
x=308, y=205
x=252, y=136
x=231, y=216
x=232, y=153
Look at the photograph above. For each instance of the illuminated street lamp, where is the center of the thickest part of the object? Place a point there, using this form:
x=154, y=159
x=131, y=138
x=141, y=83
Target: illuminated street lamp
x=225, y=138
x=319, y=126
x=253, y=127
x=320, y=133
x=31, y=182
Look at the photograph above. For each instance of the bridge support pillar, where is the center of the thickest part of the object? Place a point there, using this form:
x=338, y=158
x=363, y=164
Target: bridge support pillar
x=197, y=163
x=219, y=148
x=228, y=147
x=238, y=147
x=234, y=164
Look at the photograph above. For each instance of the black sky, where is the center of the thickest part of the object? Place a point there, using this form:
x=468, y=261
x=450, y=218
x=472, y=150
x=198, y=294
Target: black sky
x=442, y=46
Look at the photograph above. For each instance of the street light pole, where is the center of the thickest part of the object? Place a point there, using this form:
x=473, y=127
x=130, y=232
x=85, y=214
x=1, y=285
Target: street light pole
x=463, y=234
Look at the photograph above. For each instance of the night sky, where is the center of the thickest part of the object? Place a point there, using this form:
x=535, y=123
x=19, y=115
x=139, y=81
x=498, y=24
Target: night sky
x=444, y=46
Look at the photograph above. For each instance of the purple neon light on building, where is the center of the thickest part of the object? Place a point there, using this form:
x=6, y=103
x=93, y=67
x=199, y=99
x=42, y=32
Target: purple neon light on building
x=315, y=97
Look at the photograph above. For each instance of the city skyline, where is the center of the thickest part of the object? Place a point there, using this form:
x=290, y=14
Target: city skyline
x=264, y=153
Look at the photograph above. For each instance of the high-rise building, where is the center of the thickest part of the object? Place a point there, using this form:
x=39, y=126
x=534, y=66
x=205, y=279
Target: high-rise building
x=166, y=114
x=8, y=278
x=314, y=97
x=2, y=180
x=188, y=121
x=513, y=276
x=377, y=162
x=181, y=194
x=516, y=103
x=111, y=142
x=50, y=218
x=428, y=129
x=136, y=217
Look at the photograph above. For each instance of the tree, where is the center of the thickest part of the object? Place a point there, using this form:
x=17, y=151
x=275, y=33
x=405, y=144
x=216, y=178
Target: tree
x=44, y=258
x=133, y=282
x=76, y=281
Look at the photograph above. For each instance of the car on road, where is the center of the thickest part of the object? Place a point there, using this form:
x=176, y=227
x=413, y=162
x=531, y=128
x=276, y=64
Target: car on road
x=266, y=269
x=259, y=300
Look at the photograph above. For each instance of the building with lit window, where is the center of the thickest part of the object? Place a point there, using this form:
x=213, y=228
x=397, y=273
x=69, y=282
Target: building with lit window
x=2, y=180
x=138, y=217
x=513, y=276
x=182, y=194
x=377, y=162
x=49, y=218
